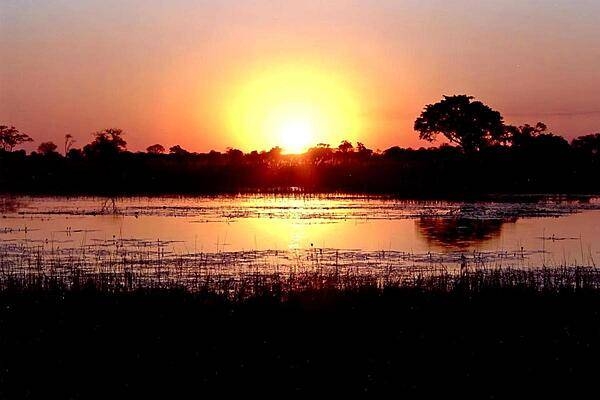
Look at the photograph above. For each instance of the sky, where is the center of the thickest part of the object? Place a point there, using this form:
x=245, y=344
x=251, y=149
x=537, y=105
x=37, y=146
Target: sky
x=253, y=74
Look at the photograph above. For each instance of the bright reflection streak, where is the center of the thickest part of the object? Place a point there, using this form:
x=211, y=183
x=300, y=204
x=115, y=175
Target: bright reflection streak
x=246, y=223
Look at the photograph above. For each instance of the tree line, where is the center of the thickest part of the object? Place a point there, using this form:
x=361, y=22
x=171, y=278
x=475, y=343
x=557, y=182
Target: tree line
x=482, y=155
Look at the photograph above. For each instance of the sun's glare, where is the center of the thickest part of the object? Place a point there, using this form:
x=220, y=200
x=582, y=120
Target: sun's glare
x=295, y=135
x=293, y=107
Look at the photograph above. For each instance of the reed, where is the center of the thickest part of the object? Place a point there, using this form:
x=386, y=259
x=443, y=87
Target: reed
x=117, y=267
x=111, y=320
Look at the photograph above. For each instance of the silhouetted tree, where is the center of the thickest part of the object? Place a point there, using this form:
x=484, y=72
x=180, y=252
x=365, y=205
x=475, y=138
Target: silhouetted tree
x=274, y=155
x=320, y=154
x=275, y=152
x=69, y=141
x=47, y=148
x=108, y=142
x=551, y=142
x=235, y=155
x=177, y=150
x=345, y=147
x=155, y=149
x=470, y=124
x=255, y=158
x=75, y=154
x=524, y=134
x=363, y=151
x=10, y=137
x=588, y=144
x=394, y=152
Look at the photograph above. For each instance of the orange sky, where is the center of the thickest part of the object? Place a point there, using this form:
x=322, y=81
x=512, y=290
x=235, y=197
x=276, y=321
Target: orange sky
x=175, y=73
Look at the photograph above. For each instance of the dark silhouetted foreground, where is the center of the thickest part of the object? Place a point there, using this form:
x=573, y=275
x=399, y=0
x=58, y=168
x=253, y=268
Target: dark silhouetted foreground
x=486, y=335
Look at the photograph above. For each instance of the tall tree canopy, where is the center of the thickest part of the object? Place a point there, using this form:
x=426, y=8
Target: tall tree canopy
x=470, y=124
x=106, y=143
x=10, y=137
x=525, y=134
x=155, y=149
x=588, y=144
x=47, y=148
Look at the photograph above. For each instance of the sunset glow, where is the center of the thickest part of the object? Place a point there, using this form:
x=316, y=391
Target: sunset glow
x=225, y=198
x=216, y=74
x=294, y=107
x=296, y=134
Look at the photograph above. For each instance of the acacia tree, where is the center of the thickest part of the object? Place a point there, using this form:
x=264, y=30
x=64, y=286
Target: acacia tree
x=155, y=149
x=108, y=142
x=10, y=137
x=47, y=148
x=177, y=150
x=470, y=124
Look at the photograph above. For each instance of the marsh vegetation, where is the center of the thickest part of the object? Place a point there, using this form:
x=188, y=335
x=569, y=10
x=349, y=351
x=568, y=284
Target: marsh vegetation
x=177, y=296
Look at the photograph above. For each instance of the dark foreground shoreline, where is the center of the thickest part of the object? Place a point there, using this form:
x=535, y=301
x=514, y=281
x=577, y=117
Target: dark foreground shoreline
x=402, y=342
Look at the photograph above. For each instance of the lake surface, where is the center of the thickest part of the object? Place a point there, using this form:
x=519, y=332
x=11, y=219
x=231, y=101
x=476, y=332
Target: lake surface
x=236, y=234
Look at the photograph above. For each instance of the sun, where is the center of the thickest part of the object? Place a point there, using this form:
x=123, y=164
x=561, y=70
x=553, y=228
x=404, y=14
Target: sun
x=294, y=107
x=291, y=124
x=296, y=134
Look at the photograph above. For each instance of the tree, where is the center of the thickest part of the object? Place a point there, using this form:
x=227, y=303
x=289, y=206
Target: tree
x=363, y=151
x=275, y=153
x=75, y=154
x=470, y=124
x=69, y=141
x=108, y=142
x=177, y=150
x=155, y=149
x=535, y=140
x=524, y=134
x=47, y=148
x=272, y=157
x=547, y=145
x=345, y=147
x=320, y=154
x=588, y=144
x=234, y=155
x=10, y=137
x=394, y=153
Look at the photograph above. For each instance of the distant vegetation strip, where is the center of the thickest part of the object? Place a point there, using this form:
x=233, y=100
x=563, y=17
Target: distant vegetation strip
x=481, y=155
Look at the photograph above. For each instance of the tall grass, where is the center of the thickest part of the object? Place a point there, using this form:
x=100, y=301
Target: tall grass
x=115, y=268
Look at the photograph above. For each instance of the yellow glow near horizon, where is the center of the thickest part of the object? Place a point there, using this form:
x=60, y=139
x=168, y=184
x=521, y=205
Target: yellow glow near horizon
x=296, y=134
x=293, y=107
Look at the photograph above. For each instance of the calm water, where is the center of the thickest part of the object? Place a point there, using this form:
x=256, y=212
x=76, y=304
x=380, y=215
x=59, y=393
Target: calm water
x=273, y=232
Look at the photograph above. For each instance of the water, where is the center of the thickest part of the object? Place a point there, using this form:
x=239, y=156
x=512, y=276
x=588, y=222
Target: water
x=233, y=235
